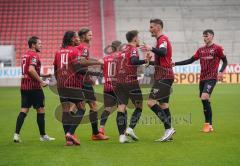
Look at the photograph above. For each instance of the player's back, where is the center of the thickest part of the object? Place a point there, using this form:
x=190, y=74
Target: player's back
x=27, y=82
x=126, y=72
x=109, y=71
x=64, y=65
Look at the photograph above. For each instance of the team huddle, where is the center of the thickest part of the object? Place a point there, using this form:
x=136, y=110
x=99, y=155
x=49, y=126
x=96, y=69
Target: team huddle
x=75, y=86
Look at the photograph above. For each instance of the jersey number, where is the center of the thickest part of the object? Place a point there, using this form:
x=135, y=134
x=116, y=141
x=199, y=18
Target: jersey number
x=111, y=69
x=64, y=60
x=23, y=65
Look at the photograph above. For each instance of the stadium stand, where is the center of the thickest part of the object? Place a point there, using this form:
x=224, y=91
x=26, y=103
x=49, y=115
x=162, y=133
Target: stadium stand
x=49, y=19
x=184, y=22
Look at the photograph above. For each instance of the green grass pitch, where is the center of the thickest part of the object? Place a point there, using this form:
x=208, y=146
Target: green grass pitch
x=190, y=146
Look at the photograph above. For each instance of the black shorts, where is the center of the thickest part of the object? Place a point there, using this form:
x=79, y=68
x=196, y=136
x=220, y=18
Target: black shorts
x=207, y=86
x=110, y=99
x=126, y=91
x=33, y=98
x=161, y=90
x=74, y=95
x=88, y=92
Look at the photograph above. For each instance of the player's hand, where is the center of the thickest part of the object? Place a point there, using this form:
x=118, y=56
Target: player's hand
x=43, y=84
x=101, y=62
x=148, y=56
x=220, y=76
x=147, y=47
x=173, y=64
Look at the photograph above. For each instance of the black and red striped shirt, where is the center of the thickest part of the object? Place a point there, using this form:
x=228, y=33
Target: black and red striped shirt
x=209, y=60
x=27, y=82
x=109, y=71
x=84, y=52
x=64, y=62
x=163, y=67
x=83, y=49
x=127, y=73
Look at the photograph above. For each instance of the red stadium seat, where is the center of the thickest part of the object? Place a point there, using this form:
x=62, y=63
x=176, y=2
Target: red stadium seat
x=48, y=20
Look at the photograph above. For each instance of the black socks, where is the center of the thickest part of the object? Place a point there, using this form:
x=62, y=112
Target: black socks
x=121, y=122
x=94, y=121
x=135, y=117
x=104, y=117
x=20, y=120
x=207, y=111
x=41, y=123
x=165, y=117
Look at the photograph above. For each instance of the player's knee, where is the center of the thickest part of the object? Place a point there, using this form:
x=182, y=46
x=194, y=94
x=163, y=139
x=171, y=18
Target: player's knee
x=138, y=105
x=25, y=110
x=108, y=109
x=163, y=105
x=41, y=110
x=81, y=105
x=205, y=96
x=121, y=108
x=93, y=105
x=151, y=103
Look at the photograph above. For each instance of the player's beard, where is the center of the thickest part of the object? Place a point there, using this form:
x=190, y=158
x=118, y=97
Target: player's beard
x=37, y=50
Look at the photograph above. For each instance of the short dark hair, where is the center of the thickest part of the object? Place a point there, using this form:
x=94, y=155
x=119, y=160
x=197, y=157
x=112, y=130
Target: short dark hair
x=115, y=45
x=210, y=31
x=32, y=40
x=131, y=34
x=82, y=32
x=157, y=21
x=67, y=38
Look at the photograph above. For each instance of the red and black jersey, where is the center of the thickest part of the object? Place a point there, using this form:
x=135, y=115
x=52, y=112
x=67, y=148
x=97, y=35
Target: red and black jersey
x=127, y=73
x=83, y=49
x=64, y=62
x=163, y=67
x=109, y=71
x=209, y=60
x=84, y=52
x=27, y=82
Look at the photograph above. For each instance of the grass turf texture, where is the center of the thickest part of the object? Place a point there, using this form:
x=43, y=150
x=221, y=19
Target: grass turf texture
x=190, y=146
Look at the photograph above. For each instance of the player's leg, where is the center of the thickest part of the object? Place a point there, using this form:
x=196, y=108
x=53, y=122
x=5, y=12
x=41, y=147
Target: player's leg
x=122, y=123
x=152, y=102
x=38, y=104
x=122, y=95
x=25, y=105
x=76, y=118
x=19, y=123
x=161, y=91
x=137, y=100
x=206, y=88
x=109, y=103
x=93, y=114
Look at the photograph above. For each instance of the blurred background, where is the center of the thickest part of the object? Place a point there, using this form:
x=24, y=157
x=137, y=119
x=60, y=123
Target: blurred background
x=184, y=21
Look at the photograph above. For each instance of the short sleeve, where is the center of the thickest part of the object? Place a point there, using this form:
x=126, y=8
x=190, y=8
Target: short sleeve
x=85, y=52
x=162, y=43
x=134, y=53
x=33, y=60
